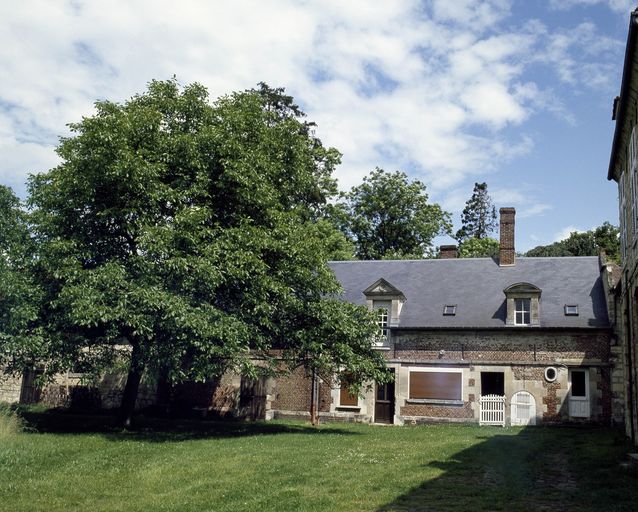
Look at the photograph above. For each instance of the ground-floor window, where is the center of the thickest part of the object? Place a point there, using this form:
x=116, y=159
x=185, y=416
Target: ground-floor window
x=492, y=383
x=436, y=384
x=345, y=397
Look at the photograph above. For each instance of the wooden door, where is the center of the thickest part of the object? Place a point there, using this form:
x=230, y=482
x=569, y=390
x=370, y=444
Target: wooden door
x=384, y=403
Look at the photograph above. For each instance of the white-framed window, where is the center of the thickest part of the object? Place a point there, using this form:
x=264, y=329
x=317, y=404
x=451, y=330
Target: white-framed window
x=436, y=384
x=522, y=311
x=382, y=313
x=382, y=322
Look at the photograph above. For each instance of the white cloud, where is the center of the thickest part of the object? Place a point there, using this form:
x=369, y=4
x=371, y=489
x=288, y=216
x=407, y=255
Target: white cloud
x=577, y=54
x=565, y=232
x=434, y=89
x=620, y=6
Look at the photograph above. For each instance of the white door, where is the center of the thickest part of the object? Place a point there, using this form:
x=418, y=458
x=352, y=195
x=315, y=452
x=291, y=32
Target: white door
x=579, y=393
x=523, y=409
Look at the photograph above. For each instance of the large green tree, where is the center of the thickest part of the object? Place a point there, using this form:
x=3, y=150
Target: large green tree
x=20, y=296
x=388, y=216
x=187, y=232
x=478, y=219
x=589, y=243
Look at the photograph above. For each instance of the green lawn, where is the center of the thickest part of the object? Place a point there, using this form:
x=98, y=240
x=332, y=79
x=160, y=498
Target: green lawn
x=69, y=463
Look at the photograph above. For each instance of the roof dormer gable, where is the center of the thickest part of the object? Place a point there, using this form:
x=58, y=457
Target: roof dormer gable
x=382, y=288
x=383, y=294
x=522, y=288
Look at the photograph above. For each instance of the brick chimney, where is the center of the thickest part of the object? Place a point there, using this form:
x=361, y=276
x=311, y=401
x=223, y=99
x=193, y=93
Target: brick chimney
x=506, y=247
x=448, y=252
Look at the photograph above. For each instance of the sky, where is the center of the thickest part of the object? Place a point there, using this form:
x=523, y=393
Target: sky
x=517, y=94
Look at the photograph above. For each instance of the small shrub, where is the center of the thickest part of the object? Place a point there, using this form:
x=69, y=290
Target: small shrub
x=10, y=423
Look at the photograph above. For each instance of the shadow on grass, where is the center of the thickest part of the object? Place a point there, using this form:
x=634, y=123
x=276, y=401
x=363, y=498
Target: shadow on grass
x=532, y=469
x=160, y=430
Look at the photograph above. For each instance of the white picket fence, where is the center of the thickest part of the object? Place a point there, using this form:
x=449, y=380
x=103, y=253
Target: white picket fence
x=492, y=410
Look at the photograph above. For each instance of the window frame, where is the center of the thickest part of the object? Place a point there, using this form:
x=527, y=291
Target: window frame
x=383, y=311
x=525, y=310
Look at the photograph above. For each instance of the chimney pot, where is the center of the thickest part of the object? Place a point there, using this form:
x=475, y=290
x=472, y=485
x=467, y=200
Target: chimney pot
x=506, y=253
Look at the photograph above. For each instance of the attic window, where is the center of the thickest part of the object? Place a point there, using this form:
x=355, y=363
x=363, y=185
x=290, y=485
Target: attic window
x=449, y=310
x=523, y=305
x=571, y=309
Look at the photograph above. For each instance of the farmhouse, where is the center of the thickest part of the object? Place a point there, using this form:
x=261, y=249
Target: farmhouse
x=533, y=334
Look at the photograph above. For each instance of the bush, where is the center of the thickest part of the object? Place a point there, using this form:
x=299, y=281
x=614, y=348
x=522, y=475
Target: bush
x=11, y=424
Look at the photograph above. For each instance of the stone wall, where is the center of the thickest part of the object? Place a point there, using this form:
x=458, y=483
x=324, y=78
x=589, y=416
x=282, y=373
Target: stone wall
x=10, y=388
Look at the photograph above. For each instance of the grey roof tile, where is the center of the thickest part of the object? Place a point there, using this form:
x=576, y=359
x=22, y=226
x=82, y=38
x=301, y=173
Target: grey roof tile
x=476, y=287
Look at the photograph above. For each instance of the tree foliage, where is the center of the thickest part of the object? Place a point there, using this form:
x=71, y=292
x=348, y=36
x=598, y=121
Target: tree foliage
x=478, y=219
x=389, y=217
x=605, y=237
x=20, y=297
x=479, y=248
x=188, y=231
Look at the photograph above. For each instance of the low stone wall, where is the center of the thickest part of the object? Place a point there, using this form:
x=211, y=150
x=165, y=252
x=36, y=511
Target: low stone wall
x=10, y=388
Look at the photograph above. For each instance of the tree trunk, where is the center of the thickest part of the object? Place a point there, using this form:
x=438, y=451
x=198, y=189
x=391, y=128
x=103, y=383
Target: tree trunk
x=314, y=419
x=129, y=396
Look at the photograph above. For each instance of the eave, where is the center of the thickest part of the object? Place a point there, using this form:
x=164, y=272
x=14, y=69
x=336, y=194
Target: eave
x=625, y=91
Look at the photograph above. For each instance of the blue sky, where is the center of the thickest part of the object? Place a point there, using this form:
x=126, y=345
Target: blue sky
x=514, y=93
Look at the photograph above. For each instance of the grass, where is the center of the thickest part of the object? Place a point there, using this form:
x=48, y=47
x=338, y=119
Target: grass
x=67, y=462
x=11, y=424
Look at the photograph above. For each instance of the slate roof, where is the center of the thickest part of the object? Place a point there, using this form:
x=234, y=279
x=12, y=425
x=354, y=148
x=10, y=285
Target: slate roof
x=476, y=286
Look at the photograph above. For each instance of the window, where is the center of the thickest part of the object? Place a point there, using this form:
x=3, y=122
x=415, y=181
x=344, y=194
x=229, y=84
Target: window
x=522, y=311
x=523, y=305
x=449, y=310
x=386, y=301
x=382, y=323
x=436, y=385
x=571, y=309
x=345, y=397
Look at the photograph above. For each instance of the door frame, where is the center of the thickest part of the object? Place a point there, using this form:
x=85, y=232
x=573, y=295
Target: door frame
x=579, y=401
x=389, y=386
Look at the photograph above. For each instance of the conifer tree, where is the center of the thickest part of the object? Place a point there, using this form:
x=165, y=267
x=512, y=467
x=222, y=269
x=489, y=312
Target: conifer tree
x=479, y=215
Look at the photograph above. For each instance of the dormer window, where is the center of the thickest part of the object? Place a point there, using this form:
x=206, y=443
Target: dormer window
x=571, y=309
x=523, y=304
x=382, y=322
x=386, y=301
x=522, y=311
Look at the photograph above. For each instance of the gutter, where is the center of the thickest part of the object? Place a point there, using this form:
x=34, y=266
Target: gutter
x=508, y=329
x=624, y=92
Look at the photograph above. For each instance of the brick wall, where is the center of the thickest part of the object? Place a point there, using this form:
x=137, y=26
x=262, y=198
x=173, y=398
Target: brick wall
x=509, y=346
x=293, y=392
x=439, y=411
